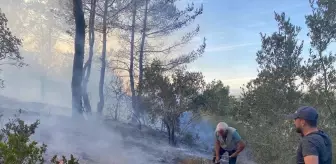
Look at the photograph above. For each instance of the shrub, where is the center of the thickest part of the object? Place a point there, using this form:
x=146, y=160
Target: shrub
x=72, y=160
x=17, y=148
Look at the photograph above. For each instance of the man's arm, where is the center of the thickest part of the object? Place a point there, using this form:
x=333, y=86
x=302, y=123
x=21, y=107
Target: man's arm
x=309, y=151
x=240, y=144
x=240, y=147
x=217, y=148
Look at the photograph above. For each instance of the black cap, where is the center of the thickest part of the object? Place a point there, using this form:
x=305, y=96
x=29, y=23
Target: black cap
x=306, y=113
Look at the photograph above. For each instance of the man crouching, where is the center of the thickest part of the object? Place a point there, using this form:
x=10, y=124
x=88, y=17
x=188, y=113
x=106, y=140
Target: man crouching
x=228, y=140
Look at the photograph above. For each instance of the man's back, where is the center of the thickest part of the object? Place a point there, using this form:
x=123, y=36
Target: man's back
x=317, y=143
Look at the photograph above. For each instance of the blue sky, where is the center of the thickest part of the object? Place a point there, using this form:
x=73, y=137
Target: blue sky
x=232, y=29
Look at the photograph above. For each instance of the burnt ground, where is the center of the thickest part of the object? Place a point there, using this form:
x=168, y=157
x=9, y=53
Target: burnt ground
x=102, y=142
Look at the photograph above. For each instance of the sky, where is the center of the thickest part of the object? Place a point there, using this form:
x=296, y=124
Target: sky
x=232, y=29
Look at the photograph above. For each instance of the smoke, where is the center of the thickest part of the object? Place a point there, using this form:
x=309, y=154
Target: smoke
x=43, y=89
x=87, y=140
x=46, y=95
x=91, y=141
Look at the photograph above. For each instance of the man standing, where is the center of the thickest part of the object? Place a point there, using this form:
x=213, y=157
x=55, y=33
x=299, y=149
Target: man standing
x=228, y=140
x=315, y=146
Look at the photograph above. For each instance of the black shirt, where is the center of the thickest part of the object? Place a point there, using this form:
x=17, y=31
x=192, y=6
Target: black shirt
x=316, y=143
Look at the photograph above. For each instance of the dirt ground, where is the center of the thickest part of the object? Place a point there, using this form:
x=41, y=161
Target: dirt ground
x=194, y=161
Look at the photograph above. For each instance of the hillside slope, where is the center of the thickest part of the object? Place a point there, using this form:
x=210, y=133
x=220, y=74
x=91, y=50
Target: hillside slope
x=100, y=142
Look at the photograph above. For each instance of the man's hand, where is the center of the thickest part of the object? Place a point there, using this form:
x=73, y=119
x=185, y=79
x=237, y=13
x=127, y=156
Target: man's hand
x=311, y=159
x=233, y=155
x=217, y=159
x=240, y=147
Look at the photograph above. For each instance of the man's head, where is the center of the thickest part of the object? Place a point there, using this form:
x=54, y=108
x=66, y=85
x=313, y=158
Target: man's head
x=305, y=117
x=222, y=128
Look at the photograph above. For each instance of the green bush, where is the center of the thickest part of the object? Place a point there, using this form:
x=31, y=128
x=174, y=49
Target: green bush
x=17, y=148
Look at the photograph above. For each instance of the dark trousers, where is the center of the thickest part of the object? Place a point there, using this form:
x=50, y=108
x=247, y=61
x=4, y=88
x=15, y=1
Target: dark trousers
x=221, y=152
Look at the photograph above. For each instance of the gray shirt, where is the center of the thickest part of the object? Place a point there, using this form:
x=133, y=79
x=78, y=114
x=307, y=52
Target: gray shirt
x=230, y=142
x=316, y=143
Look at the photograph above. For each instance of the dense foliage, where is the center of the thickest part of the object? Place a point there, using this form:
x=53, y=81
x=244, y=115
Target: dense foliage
x=285, y=81
x=168, y=97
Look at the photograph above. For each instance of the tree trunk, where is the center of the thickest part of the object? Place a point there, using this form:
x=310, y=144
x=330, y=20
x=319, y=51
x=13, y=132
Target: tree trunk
x=86, y=100
x=326, y=90
x=101, y=102
x=173, y=136
x=77, y=70
x=135, y=116
x=325, y=78
x=168, y=131
x=174, y=128
x=88, y=63
x=171, y=132
x=141, y=59
x=142, y=46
